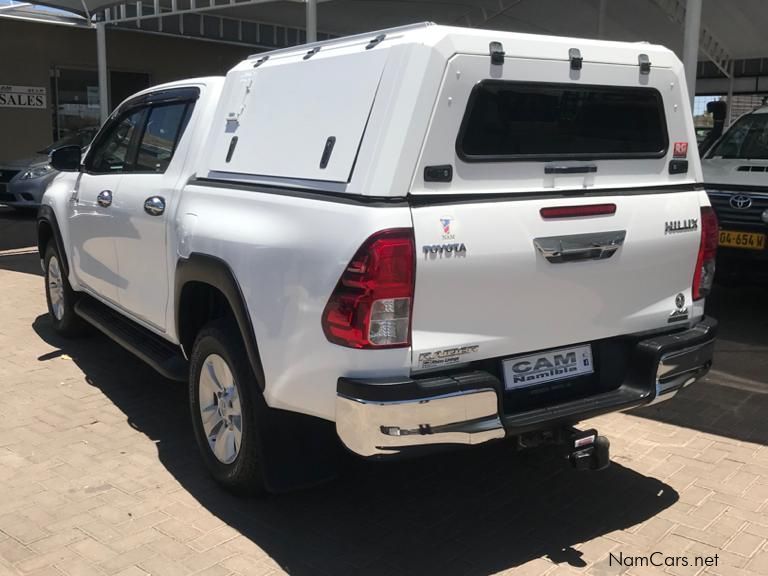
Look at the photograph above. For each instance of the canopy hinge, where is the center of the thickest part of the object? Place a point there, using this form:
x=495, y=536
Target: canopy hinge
x=574, y=55
x=497, y=52
x=645, y=64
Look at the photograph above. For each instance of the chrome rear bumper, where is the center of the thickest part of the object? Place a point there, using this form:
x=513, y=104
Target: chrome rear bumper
x=370, y=427
x=376, y=418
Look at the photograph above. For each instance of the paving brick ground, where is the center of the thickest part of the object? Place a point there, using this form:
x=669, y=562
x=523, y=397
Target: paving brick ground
x=99, y=475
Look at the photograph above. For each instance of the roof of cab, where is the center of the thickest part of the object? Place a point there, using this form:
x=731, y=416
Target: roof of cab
x=200, y=81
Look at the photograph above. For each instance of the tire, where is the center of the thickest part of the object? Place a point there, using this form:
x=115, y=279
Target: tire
x=222, y=385
x=60, y=297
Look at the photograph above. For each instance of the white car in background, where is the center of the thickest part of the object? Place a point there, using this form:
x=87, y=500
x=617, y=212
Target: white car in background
x=23, y=182
x=736, y=178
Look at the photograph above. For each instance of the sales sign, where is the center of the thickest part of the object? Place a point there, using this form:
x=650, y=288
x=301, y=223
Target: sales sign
x=22, y=97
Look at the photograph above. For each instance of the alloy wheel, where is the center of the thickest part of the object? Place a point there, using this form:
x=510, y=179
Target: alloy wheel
x=220, y=409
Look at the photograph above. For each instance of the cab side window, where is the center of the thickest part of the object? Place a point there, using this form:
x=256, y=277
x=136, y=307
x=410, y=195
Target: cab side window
x=112, y=153
x=164, y=128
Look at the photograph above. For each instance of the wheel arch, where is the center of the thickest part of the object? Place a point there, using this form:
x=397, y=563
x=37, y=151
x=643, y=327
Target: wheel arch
x=205, y=276
x=47, y=230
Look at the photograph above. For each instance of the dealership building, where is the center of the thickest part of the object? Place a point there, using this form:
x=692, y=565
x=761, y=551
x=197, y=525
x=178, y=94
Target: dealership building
x=66, y=64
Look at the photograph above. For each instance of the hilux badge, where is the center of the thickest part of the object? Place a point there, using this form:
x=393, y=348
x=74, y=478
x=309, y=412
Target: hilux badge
x=674, y=226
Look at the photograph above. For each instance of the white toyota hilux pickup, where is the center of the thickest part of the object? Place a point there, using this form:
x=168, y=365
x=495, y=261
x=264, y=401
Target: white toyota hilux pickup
x=407, y=240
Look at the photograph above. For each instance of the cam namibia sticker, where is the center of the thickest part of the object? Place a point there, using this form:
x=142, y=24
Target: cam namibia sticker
x=547, y=366
x=445, y=357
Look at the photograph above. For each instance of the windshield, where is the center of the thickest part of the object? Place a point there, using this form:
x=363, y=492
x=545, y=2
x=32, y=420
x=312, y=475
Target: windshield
x=747, y=139
x=81, y=138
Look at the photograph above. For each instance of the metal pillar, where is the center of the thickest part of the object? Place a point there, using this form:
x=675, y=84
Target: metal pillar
x=691, y=44
x=601, y=15
x=729, y=116
x=101, y=58
x=311, y=21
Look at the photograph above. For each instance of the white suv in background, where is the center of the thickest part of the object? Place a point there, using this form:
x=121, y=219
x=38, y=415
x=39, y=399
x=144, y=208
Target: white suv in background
x=736, y=178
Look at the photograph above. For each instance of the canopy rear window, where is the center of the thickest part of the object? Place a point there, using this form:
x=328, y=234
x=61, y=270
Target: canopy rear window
x=535, y=121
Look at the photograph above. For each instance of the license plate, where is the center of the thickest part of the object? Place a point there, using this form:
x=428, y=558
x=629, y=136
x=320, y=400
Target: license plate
x=746, y=240
x=547, y=366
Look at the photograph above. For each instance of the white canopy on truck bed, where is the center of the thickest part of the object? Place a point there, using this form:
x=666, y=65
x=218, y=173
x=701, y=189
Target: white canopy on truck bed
x=318, y=117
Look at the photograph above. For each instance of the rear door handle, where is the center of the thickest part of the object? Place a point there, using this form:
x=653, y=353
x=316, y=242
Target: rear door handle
x=570, y=169
x=154, y=205
x=575, y=247
x=104, y=199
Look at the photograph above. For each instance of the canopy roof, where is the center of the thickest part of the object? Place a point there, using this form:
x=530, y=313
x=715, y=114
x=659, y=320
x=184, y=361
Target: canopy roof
x=737, y=27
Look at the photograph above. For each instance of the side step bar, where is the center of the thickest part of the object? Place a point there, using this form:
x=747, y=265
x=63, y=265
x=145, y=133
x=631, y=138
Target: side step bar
x=158, y=353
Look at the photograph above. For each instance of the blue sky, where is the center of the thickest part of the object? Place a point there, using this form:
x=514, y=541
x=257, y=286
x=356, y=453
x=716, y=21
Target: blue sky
x=34, y=7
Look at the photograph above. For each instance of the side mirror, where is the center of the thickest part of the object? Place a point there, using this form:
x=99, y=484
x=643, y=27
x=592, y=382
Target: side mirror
x=718, y=109
x=66, y=158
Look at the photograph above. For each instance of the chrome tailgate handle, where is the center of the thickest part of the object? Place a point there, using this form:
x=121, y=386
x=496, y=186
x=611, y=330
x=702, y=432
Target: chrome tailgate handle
x=575, y=247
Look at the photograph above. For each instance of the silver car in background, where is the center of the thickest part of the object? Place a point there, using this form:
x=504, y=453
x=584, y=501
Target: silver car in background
x=23, y=182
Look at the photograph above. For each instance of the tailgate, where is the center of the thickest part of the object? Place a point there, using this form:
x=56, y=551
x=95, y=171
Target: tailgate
x=531, y=135
x=496, y=294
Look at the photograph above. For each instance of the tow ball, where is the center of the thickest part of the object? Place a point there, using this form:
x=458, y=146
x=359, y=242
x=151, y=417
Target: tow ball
x=588, y=450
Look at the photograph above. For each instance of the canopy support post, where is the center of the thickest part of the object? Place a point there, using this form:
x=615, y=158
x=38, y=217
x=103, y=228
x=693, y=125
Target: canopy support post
x=311, y=21
x=729, y=116
x=101, y=59
x=691, y=45
x=601, y=16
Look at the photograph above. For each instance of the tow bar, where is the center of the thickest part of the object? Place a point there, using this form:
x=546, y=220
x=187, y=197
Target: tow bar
x=585, y=450
x=588, y=450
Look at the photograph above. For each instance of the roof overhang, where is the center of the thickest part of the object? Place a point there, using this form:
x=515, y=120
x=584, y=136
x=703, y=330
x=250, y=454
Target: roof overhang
x=730, y=30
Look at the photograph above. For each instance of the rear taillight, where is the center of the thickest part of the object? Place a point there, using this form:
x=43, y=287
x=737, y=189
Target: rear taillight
x=704, y=274
x=371, y=304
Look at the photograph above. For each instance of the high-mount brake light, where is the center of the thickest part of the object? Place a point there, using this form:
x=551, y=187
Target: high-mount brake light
x=704, y=274
x=578, y=211
x=372, y=302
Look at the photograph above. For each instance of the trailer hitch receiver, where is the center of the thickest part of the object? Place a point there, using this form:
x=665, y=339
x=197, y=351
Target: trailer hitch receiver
x=588, y=450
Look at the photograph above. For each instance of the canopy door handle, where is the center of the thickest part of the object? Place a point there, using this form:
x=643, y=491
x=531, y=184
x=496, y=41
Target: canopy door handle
x=570, y=169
